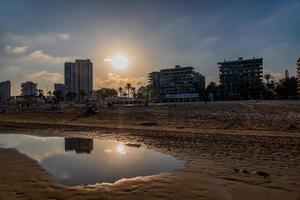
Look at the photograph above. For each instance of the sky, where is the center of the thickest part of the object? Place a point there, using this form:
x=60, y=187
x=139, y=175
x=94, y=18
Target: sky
x=37, y=37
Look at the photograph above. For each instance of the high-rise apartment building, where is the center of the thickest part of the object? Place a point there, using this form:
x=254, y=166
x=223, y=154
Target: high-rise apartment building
x=70, y=77
x=241, y=79
x=5, y=90
x=79, y=79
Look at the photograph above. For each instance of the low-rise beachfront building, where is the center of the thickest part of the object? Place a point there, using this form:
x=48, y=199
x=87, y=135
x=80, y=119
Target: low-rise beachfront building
x=176, y=84
x=5, y=91
x=154, y=86
x=241, y=79
x=29, y=88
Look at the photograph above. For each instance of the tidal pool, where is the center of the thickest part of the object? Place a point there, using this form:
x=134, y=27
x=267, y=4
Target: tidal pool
x=84, y=161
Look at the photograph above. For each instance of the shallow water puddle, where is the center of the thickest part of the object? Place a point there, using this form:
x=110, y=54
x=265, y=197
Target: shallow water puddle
x=83, y=161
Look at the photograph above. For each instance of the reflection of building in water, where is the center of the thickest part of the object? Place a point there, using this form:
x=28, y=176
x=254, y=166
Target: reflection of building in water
x=80, y=145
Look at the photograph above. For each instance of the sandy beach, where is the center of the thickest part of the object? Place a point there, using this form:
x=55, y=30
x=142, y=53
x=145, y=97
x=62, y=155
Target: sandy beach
x=234, y=150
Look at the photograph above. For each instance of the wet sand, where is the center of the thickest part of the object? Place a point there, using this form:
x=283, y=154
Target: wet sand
x=228, y=146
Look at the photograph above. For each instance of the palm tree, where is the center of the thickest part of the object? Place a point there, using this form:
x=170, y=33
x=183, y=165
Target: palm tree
x=269, y=86
x=272, y=87
x=120, y=89
x=133, y=92
x=40, y=94
x=124, y=94
x=128, y=88
x=267, y=77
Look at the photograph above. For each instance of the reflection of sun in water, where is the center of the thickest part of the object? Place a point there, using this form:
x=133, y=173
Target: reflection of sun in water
x=118, y=61
x=120, y=149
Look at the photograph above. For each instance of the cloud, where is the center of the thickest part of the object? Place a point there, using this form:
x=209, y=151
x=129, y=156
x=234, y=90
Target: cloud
x=283, y=16
x=107, y=59
x=115, y=81
x=11, y=72
x=44, y=79
x=277, y=75
x=14, y=74
x=16, y=50
x=44, y=76
x=37, y=39
x=10, y=69
x=210, y=40
x=39, y=55
x=63, y=36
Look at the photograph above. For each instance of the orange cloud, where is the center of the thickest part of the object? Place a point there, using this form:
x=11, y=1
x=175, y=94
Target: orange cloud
x=39, y=55
x=115, y=81
x=43, y=75
x=16, y=50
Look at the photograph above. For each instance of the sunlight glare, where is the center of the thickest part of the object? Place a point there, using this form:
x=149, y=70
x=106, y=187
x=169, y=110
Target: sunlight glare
x=119, y=61
x=120, y=149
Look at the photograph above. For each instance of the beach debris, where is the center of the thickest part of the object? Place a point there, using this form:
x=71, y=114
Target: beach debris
x=91, y=109
x=292, y=126
x=133, y=145
x=235, y=170
x=245, y=171
x=264, y=174
x=180, y=127
x=153, y=123
x=229, y=125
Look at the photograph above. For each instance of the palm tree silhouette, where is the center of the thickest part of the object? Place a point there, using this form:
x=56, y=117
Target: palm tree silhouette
x=267, y=77
x=133, y=90
x=128, y=88
x=120, y=89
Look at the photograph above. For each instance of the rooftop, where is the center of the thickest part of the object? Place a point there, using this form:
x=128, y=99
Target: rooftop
x=242, y=61
x=177, y=67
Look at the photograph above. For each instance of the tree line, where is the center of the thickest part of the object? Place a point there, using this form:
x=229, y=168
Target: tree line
x=270, y=88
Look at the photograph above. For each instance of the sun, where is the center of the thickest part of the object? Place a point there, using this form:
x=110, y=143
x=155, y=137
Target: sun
x=118, y=61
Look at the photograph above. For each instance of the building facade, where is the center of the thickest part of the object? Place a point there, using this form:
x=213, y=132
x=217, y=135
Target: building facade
x=70, y=77
x=60, y=87
x=154, y=86
x=298, y=75
x=241, y=79
x=29, y=88
x=79, y=145
x=176, y=84
x=79, y=79
x=5, y=91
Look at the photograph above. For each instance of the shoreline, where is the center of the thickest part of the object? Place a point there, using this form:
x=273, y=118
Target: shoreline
x=71, y=126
